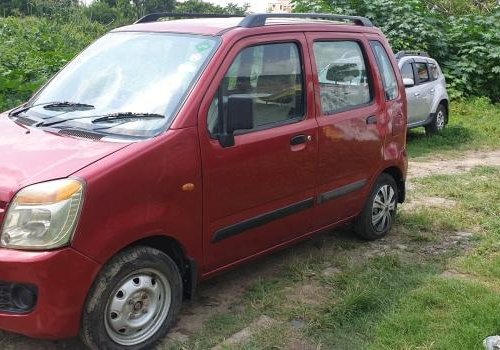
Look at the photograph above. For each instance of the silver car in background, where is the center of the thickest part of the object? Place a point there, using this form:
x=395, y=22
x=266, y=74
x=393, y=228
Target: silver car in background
x=428, y=102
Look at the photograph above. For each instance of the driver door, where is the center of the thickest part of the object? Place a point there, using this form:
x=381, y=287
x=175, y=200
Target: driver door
x=259, y=192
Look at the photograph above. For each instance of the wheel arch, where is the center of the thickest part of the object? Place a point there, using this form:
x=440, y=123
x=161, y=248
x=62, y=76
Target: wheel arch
x=446, y=104
x=188, y=267
x=397, y=175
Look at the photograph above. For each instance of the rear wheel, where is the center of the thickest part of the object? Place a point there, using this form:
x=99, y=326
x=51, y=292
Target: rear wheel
x=378, y=215
x=134, y=301
x=438, y=122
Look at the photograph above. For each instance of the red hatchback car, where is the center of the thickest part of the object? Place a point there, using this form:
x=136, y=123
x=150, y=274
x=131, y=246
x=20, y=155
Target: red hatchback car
x=169, y=151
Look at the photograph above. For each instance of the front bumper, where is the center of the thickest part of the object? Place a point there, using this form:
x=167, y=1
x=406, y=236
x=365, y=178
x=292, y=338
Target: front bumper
x=63, y=279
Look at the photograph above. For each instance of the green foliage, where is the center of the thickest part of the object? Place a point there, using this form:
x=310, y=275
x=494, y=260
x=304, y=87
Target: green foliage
x=197, y=6
x=33, y=49
x=473, y=61
x=474, y=124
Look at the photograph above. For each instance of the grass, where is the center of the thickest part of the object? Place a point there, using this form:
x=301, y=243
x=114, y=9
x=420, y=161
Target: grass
x=474, y=124
x=390, y=294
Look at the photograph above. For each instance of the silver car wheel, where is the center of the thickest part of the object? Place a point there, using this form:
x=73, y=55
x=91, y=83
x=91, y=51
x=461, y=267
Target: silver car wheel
x=383, y=208
x=138, y=307
x=440, y=120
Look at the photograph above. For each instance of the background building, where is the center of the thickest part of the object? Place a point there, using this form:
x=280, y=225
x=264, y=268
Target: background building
x=280, y=6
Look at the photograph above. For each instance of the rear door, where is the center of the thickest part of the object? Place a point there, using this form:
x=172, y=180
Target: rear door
x=259, y=192
x=351, y=120
x=423, y=91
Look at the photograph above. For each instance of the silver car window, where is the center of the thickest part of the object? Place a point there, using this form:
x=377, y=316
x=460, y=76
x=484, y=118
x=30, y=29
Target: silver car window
x=407, y=71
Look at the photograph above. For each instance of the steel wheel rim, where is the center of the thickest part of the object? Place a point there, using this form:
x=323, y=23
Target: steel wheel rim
x=138, y=307
x=440, y=120
x=383, y=208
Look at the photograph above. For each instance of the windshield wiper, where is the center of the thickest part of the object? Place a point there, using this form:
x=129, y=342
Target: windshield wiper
x=66, y=104
x=127, y=115
x=53, y=104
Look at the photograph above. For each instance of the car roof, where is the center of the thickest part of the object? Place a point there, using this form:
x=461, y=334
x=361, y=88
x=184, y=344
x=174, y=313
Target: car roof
x=220, y=25
x=204, y=26
x=416, y=59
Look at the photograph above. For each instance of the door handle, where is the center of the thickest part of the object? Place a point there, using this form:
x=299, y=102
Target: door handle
x=433, y=90
x=371, y=120
x=417, y=94
x=298, y=139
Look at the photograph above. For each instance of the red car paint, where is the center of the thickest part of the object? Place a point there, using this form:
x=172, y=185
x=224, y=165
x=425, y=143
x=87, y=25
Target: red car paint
x=134, y=192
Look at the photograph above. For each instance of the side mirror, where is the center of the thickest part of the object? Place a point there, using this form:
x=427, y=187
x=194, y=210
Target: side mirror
x=239, y=117
x=408, y=82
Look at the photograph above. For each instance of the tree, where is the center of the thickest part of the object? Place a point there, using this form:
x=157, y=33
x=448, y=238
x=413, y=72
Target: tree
x=199, y=6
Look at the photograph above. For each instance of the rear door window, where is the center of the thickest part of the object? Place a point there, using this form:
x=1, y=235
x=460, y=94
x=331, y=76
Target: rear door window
x=422, y=72
x=342, y=75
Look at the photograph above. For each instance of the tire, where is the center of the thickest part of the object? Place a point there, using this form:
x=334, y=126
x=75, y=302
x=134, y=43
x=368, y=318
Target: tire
x=438, y=123
x=133, y=302
x=379, y=212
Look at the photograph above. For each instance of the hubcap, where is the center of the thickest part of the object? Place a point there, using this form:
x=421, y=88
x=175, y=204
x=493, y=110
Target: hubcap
x=384, y=206
x=440, y=120
x=137, y=307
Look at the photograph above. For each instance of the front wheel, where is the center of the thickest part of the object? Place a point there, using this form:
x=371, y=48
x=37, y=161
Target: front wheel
x=378, y=215
x=133, y=302
x=438, y=123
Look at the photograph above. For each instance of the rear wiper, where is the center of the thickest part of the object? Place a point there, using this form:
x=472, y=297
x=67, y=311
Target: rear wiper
x=49, y=105
x=127, y=115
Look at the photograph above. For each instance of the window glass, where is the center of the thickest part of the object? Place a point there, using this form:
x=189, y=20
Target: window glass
x=128, y=72
x=423, y=74
x=386, y=71
x=271, y=76
x=342, y=75
x=407, y=71
x=434, y=71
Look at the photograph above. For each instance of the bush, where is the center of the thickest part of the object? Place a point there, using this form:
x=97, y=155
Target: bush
x=472, y=64
x=33, y=49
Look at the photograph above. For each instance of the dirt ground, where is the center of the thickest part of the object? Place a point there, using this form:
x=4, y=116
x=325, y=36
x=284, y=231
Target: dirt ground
x=222, y=293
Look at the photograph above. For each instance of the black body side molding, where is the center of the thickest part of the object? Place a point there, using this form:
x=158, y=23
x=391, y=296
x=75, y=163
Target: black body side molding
x=260, y=220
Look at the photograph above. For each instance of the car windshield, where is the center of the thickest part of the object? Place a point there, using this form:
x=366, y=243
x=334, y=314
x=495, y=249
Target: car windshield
x=125, y=72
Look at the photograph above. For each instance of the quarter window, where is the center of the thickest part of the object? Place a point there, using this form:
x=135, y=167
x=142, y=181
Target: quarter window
x=271, y=77
x=343, y=79
x=386, y=71
x=422, y=72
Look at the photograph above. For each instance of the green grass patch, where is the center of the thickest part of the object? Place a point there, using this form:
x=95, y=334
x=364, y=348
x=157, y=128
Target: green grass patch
x=474, y=124
x=362, y=297
x=444, y=314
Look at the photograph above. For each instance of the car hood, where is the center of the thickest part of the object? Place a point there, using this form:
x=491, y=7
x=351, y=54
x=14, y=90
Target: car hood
x=32, y=155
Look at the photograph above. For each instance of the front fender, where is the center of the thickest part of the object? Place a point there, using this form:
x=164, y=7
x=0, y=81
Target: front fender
x=138, y=192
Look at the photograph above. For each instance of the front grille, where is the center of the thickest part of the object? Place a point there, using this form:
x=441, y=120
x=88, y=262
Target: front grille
x=82, y=134
x=18, y=298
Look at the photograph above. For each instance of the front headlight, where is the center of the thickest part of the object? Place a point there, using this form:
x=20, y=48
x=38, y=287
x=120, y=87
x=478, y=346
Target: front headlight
x=43, y=216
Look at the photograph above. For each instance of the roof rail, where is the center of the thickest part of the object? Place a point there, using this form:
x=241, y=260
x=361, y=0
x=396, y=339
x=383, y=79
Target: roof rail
x=153, y=17
x=402, y=54
x=259, y=20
